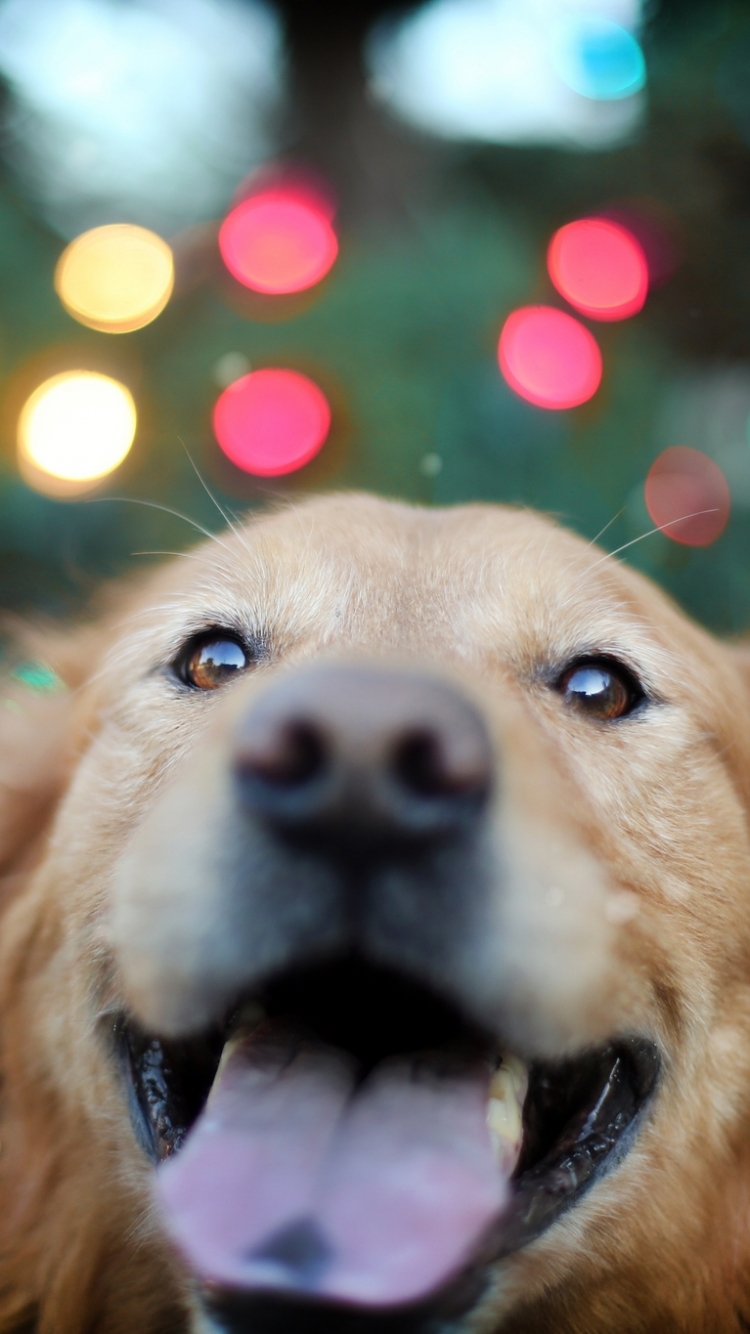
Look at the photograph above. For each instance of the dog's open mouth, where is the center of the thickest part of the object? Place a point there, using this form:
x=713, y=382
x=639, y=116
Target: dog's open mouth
x=349, y=1138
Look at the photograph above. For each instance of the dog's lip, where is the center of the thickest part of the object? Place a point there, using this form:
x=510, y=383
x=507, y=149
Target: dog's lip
x=591, y=1143
x=580, y=1118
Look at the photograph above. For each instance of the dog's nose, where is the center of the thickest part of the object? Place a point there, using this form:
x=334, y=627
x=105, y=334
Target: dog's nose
x=350, y=756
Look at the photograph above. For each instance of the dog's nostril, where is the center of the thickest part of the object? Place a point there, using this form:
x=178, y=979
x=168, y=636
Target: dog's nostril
x=297, y=755
x=435, y=764
x=419, y=765
x=289, y=756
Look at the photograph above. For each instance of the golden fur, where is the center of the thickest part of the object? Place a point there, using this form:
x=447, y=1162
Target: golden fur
x=642, y=832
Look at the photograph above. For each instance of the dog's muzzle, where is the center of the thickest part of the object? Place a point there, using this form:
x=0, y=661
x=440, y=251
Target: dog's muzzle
x=308, y=1147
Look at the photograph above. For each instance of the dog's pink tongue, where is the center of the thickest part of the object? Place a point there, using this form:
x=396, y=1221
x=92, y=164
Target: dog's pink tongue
x=294, y=1179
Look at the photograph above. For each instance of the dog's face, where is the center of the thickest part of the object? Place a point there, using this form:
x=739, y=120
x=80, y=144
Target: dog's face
x=387, y=961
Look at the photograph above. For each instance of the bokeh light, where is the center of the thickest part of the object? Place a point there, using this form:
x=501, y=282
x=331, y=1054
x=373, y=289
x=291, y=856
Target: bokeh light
x=73, y=430
x=230, y=367
x=272, y=422
x=149, y=110
x=598, y=58
x=278, y=241
x=116, y=278
x=511, y=71
x=687, y=495
x=549, y=358
x=599, y=267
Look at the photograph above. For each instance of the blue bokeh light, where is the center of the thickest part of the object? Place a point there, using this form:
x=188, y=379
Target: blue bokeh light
x=598, y=58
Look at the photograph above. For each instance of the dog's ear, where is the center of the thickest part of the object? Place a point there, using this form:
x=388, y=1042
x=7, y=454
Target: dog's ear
x=44, y=722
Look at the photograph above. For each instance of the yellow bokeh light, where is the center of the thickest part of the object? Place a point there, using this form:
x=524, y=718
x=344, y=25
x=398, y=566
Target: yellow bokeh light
x=73, y=430
x=115, y=279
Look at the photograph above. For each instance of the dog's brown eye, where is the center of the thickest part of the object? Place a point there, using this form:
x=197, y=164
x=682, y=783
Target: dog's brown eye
x=214, y=661
x=601, y=690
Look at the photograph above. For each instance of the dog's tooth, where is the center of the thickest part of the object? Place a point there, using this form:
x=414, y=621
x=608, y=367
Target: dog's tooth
x=248, y=1019
x=505, y=1109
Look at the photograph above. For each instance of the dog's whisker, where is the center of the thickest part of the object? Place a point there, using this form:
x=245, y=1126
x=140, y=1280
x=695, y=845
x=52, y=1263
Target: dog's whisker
x=224, y=514
x=191, y=555
x=164, y=509
x=660, y=528
x=603, y=530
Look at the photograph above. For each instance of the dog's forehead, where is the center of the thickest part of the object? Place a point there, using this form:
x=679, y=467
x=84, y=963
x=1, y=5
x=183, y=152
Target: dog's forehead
x=476, y=579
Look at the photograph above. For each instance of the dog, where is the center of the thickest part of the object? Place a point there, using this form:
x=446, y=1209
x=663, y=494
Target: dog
x=375, y=943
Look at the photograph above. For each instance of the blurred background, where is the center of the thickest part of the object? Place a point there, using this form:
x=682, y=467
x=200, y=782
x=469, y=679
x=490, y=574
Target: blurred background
x=462, y=250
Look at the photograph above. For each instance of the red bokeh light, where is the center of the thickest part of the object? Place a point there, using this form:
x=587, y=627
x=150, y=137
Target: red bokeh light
x=687, y=495
x=599, y=267
x=549, y=358
x=278, y=241
x=271, y=422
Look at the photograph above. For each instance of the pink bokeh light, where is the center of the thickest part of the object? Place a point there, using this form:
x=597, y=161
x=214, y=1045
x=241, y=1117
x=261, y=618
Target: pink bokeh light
x=271, y=422
x=278, y=241
x=599, y=267
x=549, y=358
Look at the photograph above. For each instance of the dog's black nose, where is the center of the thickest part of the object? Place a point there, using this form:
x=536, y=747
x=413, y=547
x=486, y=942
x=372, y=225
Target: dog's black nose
x=349, y=756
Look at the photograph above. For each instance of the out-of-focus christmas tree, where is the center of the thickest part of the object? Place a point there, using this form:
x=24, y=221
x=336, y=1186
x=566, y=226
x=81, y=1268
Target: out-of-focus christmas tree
x=440, y=238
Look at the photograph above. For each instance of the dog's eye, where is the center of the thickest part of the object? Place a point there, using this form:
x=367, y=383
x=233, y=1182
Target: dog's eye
x=600, y=689
x=211, y=661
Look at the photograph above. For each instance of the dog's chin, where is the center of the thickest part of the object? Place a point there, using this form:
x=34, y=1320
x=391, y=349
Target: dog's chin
x=348, y=1153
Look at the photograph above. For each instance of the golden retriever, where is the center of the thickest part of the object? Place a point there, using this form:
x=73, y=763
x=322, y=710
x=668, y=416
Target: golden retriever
x=375, y=950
